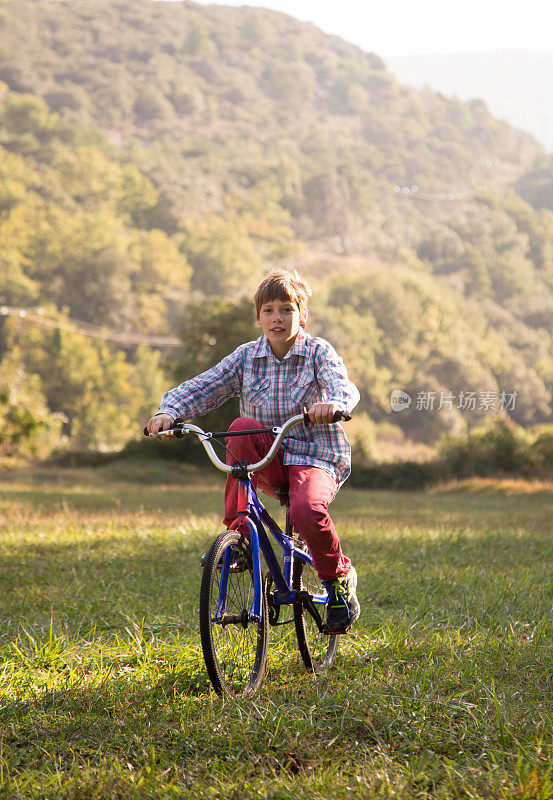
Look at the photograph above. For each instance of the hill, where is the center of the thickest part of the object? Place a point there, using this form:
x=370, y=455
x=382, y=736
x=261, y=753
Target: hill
x=159, y=154
x=515, y=84
x=251, y=87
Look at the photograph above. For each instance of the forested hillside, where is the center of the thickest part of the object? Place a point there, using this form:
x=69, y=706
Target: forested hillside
x=154, y=157
x=515, y=83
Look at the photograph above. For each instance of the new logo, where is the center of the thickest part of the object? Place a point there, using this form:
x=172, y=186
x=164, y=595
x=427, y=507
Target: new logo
x=400, y=400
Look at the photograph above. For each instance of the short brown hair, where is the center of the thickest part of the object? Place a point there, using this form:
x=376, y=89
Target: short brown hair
x=284, y=285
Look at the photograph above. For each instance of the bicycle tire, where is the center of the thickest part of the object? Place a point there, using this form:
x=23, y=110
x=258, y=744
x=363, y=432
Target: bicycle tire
x=235, y=654
x=317, y=650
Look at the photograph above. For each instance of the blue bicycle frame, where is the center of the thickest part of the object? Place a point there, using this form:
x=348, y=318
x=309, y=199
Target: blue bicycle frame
x=252, y=512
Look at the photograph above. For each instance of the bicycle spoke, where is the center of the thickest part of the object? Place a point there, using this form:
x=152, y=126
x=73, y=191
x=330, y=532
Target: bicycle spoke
x=318, y=650
x=235, y=655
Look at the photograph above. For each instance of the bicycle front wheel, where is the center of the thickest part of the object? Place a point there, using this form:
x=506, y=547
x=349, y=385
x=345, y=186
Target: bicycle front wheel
x=234, y=649
x=318, y=650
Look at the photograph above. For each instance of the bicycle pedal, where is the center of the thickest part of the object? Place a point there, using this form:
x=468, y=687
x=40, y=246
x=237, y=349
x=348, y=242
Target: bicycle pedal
x=338, y=632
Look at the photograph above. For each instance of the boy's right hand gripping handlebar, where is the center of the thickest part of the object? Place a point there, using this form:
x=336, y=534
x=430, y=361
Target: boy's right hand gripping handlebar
x=175, y=430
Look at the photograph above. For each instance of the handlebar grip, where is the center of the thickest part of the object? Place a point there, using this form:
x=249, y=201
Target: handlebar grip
x=175, y=429
x=338, y=416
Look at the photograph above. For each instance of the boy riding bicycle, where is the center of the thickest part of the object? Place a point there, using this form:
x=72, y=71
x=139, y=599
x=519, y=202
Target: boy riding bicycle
x=275, y=377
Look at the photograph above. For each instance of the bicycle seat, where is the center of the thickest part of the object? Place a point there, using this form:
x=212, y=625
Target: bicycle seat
x=282, y=494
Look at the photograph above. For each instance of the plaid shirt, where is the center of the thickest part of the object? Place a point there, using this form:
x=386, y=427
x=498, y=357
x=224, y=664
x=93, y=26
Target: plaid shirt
x=272, y=391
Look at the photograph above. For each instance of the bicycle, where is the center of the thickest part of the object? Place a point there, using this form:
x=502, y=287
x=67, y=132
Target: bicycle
x=238, y=604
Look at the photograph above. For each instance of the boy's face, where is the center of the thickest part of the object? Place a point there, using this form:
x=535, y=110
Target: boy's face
x=280, y=321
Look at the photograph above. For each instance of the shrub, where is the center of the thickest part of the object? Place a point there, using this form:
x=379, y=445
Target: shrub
x=499, y=446
x=404, y=475
x=541, y=448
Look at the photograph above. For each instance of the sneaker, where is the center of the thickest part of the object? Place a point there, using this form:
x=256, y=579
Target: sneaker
x=342, y=605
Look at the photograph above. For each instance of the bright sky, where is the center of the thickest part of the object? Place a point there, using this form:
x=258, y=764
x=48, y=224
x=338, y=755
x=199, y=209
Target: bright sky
x=405, y=27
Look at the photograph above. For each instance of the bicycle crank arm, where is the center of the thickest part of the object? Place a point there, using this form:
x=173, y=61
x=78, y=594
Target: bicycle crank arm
x=305, y=599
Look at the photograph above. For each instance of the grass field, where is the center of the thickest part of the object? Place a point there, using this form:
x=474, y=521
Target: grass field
x=444, y=690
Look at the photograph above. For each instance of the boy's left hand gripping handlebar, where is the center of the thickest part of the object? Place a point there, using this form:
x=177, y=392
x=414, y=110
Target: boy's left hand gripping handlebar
x=339, y=416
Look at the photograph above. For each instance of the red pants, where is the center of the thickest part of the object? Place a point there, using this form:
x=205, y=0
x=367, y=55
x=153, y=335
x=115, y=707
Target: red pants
x=311, y=491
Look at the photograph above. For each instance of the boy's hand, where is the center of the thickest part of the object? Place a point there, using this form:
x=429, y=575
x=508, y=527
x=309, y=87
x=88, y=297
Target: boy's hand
x=322, y=413
x=161, y=422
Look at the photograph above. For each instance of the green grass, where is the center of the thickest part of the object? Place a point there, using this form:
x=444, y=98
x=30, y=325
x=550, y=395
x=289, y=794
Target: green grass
x=444, y=690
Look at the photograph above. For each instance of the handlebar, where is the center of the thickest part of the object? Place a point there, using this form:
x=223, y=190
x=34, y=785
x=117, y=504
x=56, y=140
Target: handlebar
x=180, y=429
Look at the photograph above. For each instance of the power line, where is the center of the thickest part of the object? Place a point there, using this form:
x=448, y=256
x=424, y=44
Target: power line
x=417, y=194
x=414, y=192
x=75, y=326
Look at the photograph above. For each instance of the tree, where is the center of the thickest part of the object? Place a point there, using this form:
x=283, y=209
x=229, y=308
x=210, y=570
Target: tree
x=223, y=258
x=27, y=426
x=101, y=394
x=210, y=331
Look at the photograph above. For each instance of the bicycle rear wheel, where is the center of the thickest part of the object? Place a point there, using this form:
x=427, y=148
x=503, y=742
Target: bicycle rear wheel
x=318, y=650
x=234, y=649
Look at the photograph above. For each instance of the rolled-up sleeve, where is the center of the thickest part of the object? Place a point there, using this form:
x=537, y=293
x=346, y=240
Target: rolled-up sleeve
x=332, y=376
x=206, y=391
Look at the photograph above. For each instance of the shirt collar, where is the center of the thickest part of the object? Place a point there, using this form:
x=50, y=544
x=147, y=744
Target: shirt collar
x=262, y=348
x=299, y=348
